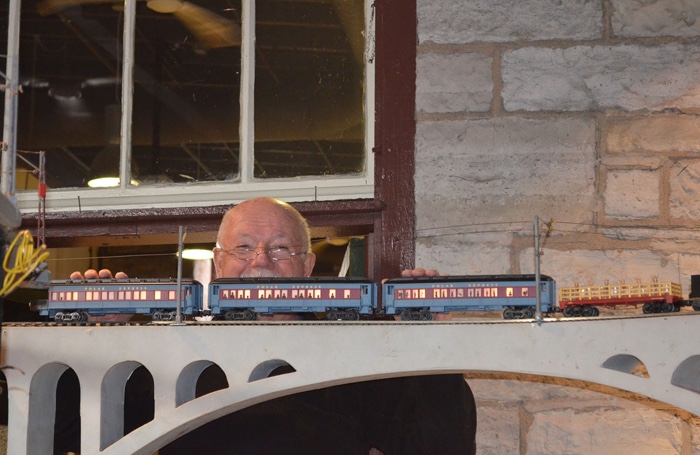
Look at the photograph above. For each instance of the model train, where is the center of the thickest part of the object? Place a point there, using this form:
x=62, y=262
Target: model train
x=75, y=300
x=516, y=296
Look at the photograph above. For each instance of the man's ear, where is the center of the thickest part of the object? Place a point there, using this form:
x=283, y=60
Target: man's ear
x=309, y=261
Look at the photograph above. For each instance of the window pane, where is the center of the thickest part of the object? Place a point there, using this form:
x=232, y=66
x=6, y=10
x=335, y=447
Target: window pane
x=308, y=94
x=309, y=88
x=70, y=73
x=187, y=85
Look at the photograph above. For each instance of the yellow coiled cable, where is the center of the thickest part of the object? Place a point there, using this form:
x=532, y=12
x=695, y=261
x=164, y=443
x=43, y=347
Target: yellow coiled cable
x=26, y=260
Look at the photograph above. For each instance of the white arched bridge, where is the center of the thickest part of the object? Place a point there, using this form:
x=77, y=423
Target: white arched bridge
x=653, y=355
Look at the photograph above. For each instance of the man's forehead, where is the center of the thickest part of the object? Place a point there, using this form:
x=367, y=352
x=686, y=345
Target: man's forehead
x=242, y=234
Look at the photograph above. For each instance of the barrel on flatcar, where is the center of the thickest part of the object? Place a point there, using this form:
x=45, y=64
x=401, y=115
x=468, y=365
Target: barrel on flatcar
x=338, y=298
x=514, y=295
x=75, y=300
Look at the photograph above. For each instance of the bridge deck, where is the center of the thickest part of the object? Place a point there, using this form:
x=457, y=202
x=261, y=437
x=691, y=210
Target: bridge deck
x=600, y=350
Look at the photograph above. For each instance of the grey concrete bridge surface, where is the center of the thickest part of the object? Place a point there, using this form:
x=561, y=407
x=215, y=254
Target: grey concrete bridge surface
x=609, y=351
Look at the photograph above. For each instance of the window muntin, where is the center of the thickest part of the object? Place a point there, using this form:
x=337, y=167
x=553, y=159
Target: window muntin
x=309, y=102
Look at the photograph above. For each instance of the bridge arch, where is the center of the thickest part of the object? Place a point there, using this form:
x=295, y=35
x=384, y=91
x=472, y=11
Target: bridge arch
x=186, y=388
x=113, y=398
x=687, y=375
x=627, y=363
x=42, y=407
x=273, y=367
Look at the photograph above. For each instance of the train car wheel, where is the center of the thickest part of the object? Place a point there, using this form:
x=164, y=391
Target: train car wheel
x=332, y=315
x=667, y=307
x=569, y=311
x=249, y=315
x=58, y=317
x=84, y=316
x=647, y=308
x=596, y=311
x=528, y=313
x=352, y=315
x=587, y=311
x=425, y=315
x=508, y=313
x=406, y=315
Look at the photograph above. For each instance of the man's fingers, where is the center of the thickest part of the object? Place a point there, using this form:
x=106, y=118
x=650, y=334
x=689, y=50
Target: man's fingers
x=420, y=271
x=91, y=274
x=105, y=274
x=76, y=276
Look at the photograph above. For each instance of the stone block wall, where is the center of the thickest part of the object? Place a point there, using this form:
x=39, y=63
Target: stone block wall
x=586, y=115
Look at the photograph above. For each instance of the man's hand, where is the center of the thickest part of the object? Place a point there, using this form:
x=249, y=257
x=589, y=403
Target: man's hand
x=92, y=274
x=419, y=272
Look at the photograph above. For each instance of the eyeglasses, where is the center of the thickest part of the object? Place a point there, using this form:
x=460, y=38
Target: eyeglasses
x=250, y=254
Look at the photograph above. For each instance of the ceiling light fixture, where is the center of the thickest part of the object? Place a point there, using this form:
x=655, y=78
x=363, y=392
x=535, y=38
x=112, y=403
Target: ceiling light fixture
x=104, y=170
x=197, y=253
x=164, y=6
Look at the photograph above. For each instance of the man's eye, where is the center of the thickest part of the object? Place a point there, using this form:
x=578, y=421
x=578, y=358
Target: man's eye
x=280, y=248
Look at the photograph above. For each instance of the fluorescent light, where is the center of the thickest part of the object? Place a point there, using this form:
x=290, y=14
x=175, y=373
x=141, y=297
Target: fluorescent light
x=104, y=182
x=164, y=6
x=197, y=253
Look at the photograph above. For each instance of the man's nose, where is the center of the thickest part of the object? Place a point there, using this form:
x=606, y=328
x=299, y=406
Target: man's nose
x=262, y=258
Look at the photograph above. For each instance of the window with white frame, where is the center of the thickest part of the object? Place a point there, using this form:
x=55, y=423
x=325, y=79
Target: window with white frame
x=184, y=102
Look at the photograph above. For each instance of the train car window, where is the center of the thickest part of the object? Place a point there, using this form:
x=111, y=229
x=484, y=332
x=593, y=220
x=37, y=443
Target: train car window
x=120, y=295
x=171, y=295
x=111, y=295
x=143, y=295
x=509, y=292
x=525, y=292
x=157, y=295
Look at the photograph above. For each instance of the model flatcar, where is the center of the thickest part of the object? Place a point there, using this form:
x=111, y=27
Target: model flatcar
x=338, y=298
x=75, y=300
x=514, y=295
x=655, y=297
